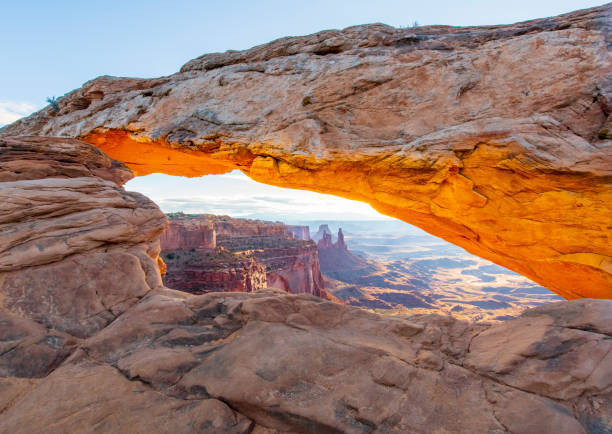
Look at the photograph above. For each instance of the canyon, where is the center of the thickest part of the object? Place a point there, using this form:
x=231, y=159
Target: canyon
x=209, y=253
x=205, y=253
x=392, y=268
x=494, y=138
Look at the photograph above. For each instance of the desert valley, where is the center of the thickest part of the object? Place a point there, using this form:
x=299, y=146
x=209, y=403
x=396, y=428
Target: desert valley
x=390, y=268
x=484, y=307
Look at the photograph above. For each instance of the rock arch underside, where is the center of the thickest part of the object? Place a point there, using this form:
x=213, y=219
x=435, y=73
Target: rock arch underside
x=496, y=139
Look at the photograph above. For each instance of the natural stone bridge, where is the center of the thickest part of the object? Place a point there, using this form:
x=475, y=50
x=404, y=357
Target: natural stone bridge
x=493, y=138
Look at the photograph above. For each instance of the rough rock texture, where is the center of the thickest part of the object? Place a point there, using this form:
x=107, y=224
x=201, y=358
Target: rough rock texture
x=294, y=269
x=207, y=253
x=202, y=271
x=76, y=250
x=189, y=234
x=225, y=362
x=495, y=138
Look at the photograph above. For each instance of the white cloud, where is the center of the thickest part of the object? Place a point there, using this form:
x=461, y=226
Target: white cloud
x=237, y=195
x=10, y=111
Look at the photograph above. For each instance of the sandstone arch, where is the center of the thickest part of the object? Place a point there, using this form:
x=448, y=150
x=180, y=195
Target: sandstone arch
x=496, y=139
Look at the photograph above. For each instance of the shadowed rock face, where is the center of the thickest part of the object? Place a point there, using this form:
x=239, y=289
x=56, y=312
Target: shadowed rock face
x=493, y=138
x=91, y=341
x=299, y=364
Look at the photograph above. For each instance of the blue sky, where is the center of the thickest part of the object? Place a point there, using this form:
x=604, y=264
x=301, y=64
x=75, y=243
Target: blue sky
x=51, y=47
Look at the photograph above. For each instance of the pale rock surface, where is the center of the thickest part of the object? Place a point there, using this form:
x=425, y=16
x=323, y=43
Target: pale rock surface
x=295, y=363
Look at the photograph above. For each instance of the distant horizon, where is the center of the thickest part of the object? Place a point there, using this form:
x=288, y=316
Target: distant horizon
x=236, y=195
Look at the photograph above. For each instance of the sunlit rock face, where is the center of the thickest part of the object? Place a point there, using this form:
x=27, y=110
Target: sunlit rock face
x=205, y=253
x=493, y=138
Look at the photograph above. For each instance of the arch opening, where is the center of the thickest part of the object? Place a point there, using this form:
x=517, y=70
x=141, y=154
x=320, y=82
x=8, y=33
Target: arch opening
x=228, y=232
x=473, y=202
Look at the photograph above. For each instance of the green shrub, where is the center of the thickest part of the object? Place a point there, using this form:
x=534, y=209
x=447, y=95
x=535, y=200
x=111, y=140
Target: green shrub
x=53, y=103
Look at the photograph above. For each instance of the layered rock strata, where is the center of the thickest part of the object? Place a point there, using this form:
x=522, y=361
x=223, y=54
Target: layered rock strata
x=300, y=232
x=494, y=138
x=201, y=271
x=189, y=234
x=242, y=255
x=76, y=250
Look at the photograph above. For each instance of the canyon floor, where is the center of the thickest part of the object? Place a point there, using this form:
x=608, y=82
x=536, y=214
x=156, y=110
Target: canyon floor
x=407, y=271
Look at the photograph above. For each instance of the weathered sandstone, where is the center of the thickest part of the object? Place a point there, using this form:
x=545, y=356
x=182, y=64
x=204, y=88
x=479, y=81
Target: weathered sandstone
x=76, y=250
x=493, y=138
x=295, y=363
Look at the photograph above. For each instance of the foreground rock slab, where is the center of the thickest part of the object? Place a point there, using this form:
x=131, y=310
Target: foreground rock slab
x=232, y=362
x=495, y=138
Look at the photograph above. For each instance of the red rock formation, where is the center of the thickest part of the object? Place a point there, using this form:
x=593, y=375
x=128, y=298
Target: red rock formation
x=494, y=138
x=254, y=255
x=213, y=270
x=300, y=232
x=336, y=258
x=325, y=242
x=323, y=229
x=340, y=244
x=189, y=234
x=294, y=269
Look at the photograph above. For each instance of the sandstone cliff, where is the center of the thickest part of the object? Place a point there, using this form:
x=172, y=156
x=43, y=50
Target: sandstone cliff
x=300, y=232
x=190, y=234
x=494, y=138
x=211, y=270
x=91, y=342
x=242, y=255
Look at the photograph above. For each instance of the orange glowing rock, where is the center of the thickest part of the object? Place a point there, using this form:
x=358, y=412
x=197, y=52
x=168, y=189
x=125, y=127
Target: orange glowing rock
x=492, y=138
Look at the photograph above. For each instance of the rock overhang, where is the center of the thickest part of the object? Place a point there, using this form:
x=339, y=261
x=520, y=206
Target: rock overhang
x=487, y=137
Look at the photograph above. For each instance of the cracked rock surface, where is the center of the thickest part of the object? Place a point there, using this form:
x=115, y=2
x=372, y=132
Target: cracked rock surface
x=229, y=362
x=494, y=138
